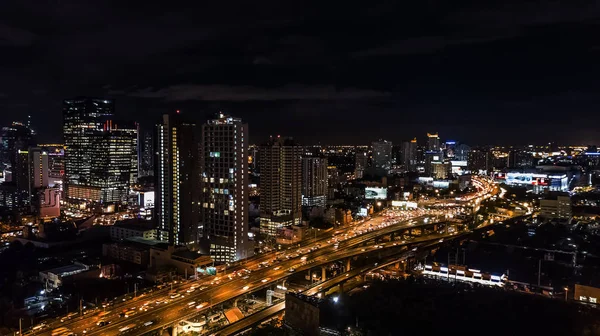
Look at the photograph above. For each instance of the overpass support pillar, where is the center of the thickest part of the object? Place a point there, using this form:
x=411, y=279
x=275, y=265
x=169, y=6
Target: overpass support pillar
x=175, y=330
x=323, y=273
x=348, y=265
x=341, y=288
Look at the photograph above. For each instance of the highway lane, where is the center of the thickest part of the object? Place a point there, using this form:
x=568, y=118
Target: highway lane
x=255, y=261
x=237, y=287
x=257, y=275
x=251, y=320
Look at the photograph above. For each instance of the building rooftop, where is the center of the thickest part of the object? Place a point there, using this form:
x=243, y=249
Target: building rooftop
x=136, y=224
x=187, y=254
x=313, y=300
x=148, y=242
x=67, y=270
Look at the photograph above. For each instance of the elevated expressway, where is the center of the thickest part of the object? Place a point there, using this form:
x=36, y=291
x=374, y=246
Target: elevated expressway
x=158, y=310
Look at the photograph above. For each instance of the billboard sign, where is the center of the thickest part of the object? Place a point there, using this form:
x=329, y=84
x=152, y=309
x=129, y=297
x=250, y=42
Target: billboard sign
x=375, y=193
x=363, y=212
x=526, y=179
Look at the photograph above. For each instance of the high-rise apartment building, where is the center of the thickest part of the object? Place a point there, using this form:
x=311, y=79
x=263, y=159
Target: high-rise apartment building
x=147, y=155
x=382, y=154
x=409, y=155
x=480, y=159
x=280, y=184
x=461, y=152
x=177, y=185
x=224, y=188
x=39, y=167
x=433, y=142
x=17, y=136
x=314, y=181
x=361, y=160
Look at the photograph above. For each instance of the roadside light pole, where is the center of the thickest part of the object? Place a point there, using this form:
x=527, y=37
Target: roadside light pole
x=20, y=326
x=566, y=293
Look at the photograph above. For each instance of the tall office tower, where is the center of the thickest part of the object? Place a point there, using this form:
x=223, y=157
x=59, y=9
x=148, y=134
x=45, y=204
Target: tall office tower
x=461, y=152
x=83, y=121
x=21, y=176
x=177, y=180
x=409, y=155
x=480, y=159
x=519, y=158
x=280, y=184
x=360, y=163
x=433, y=142
x=450, y=149
x=17, y=136
x=382, y=154
x=253, y=159
x=224, y=196
x=116, y=169
x=431, y=159
x=315, y=181
x=39, y=167
x=56, y=161
x=147, y=155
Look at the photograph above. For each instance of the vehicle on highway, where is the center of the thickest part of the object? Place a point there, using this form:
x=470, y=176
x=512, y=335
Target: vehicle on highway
x=130, y=313
x=191, y=303
x=176, y=295
x=246, y=287
x=127, y=327
x=202, y=305
x=69, y=316
x=292, y=270
x=59, y=331
x=39, y=327
x=102, y=323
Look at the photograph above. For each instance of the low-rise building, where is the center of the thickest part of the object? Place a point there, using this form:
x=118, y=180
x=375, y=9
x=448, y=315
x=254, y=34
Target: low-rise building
x=186, y=262
x=54, y=278
x=133, y=228
x=128, y=252
x=291, y=234
x=557, y=207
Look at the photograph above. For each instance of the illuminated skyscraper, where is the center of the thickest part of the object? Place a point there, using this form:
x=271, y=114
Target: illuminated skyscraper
x=100, y=153
x=361, y=159
x=314, y=181
x=433, y=142
x=177, y=174
x=147, y=155
x=382, y=154
x=280, y=184
x=224, y=188
x=409, y=155
x=83, y=132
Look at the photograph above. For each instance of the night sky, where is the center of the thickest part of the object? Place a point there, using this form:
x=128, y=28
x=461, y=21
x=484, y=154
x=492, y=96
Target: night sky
x=480, y=72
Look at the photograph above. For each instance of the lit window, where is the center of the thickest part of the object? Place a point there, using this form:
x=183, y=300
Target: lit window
x=593, y=300
x=582, y=298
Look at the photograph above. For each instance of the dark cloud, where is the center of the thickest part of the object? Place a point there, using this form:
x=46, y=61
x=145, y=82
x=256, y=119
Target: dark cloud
x=15, y=37
x=389, y=69
x=247, y=93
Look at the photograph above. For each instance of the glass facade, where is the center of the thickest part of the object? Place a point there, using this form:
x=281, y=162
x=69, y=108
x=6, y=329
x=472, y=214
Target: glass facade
x=100, y=153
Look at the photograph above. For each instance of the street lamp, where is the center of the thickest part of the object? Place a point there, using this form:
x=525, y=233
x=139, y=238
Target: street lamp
x=566, y=293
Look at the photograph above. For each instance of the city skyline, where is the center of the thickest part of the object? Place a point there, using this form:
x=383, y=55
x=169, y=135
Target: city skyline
x=475, y=72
